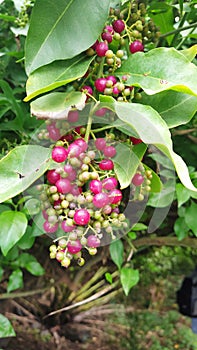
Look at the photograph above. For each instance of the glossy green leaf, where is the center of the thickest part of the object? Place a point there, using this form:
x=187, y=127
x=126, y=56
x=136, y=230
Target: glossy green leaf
x=116, y=252
x=13, y=225
x=108, y=277
x=174, y=107
x=163, y=17
x=183, y=194
x=6, y=329
x=30, y=263
x=63, y=29
x=56, y=74
x=126, y=162
x=190, y=217
x=20, y=168
x=190, y=53
x=15, y=280
x=139, y=227
x=160, y=69
x=27, y=241
x=180, y=228
x=129, y=278
x=152, y=129
x=57, y=104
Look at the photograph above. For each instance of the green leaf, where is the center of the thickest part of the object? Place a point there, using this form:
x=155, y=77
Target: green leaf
x=56, y=74
x=155, y=71
x=126, y=162
x=116, y=252
x=108, y=277
x=6, y=329
x=174, y=107
x=129, y=278
x=190, y=217
x=156, y=184
x=15, y=280
x=32, y=206
x=139, y=227
x=180, y=228
x=27, y=241
x=163, y=17
x=152, y=129
x=165, y=197
x=30, y=263
x=57, y=104
x=132, y=235
x=183, y=194
x=20, y=168
x=190, y=53
x=1, y=273
x=63, y=29
x=13, y=225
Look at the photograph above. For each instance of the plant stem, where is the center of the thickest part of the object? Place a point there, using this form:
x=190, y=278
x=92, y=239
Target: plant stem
x=169, y=241
x=178, y=30
x=89, y=123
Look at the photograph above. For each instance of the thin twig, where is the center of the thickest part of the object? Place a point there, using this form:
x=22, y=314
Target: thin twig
x=22, y=294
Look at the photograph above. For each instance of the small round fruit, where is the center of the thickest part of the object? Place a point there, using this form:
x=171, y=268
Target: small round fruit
x=100, y=84
x=67, y=228
x=100, y=143
x=115, y=196
x=93, y=241
x=95, y=186
x=136, y=46
x=110, y=183
x=73, y=116
x=52, y=176
x=59, y=154
x=118, y=26
x=109, y=151
x=81, y=217
x=106, y=164
x=74, y=247
x=49, y=228
x=138, y=179
x=63, y=186
x=101, y=49
x=100, y=200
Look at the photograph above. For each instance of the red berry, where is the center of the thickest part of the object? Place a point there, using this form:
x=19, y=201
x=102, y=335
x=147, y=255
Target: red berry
x=115, y=90
x=109, y=29
x=109, y=151
x=135, y=141
x=52, y=176
x=101, y=49
x=100, y=144
x=75, y=190
x=107, y=36
x=87, y=89
x=112, y=78
x=81, y=217
x=93, y=241
x=49, y=228
x=100, y=200
x=110, y=183
x=136, y=46
x=100, y=84
x=82, y=144
x=74, y=150
x=44, y=214
x=95, y=44
x=54, y=134
x=67, y=228
x=118, y=26
x=106, y=164
x=95, y=186
x=63, y=186
x=74, y=247
x=73, y=116
x=101, y=112
x=138, y=179
x=59, y=154
x=72, y=175
x=115, y=196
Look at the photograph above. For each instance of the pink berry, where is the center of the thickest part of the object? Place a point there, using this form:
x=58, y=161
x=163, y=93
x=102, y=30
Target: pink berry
x=87, y=89
x=49, y=228
x=73, y=116
x=112, y=78
x=107, y=36
x=136, y=46
x=101, y=112
x=59, y=154
x=44, y=214
x=138, y=179
x=100, y=84
x=72, y=175
x=95, y=45
x=109, y=29
x=75, y=190
x=74, y=150
x=106, y=164
x=118, y=26
x=115, y=196
x=109, y=151
x=100, y=200
x=135, y=141
x=52, y=176
x=74, y=247
x=67, y=228
x=100, y=144
x=110, y=183
x=82, y=217
x=93, y=241
x=95, y=186
x=101, y=49
x=115, y=90
x=54, y=134
x=63, y=186
x=82, y=144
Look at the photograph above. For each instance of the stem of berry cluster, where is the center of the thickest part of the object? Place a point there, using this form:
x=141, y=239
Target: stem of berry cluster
x=89, y=123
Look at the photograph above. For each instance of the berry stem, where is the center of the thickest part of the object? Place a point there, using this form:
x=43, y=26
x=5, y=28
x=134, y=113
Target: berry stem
x=89, y=123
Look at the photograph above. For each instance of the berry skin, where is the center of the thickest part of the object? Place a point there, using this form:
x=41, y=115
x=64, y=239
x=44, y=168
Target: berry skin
x=74, y=247
x=101, y=49
x=118, y=26
x=135, y=141
x=52, y=176
x=63, y=186
x=115, y=90
x=112, y=78
x=93, y=241
x=100, y=144
x=110, y=183
x=65, y=262
x=73, y=116
x=100, y=84
x=115, y=196
x=54, y=134
x=74, y=150
x=136, y=46
x=67, y=228
x=95, y=186
x=101, y=112
x=138, y=179
x=109, y=29
x=81, y=217
x=100, y=200
x=49, y=228
x=59, y=154
x=107, y=36
x=87, y=89
x=82, y=144
x=106, y=164
x=109, y=151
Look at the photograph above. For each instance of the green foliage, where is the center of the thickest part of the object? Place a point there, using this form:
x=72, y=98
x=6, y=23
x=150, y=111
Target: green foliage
x=6, y=329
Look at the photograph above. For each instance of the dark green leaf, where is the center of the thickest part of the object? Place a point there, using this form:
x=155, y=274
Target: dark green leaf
x=27, y=241
x=30, y=263
x=13, y=225
x=190, y=217
x=6, y=329
x=1, y=273
x=20, y=168
x=163, y=17
x=183, y=194
x=129, y=278
x=63, y=29
x=180, y=228
x=116, y=252
x=15, y=280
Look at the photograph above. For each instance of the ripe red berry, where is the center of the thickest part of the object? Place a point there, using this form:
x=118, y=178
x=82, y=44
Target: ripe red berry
x=112, y=78
x=110, y=183
x=100, y=84
x=101, y=49
x=52, y=176
x=95, y=186
x=73, y=116
x=93, y=241
x=107, y=36
x=81, y=217
x=118, y=26
x=67, y=228
x=115, y=90
x=63, y=186
x=100, y=144
x=82, y=144
x=49, y=228
x=87, y=89
x=135, y=141
x=74, y=150
x=74, y=247
x=136, y=46
x=106, y=164
x=115, y=196
x=59, y=154
x=100, y=200
x=109, y=29
x=109, y=151
x=138, y=179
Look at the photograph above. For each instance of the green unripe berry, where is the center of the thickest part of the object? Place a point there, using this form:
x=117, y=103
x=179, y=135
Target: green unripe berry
x=116, y=36
x=120, y=53
x=92, y=251
x=53, y=248
x=109, y=54
x=81, y=261
x=65, y=262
